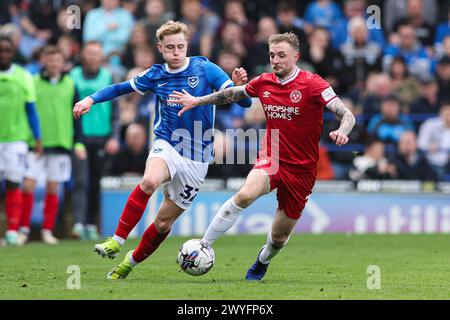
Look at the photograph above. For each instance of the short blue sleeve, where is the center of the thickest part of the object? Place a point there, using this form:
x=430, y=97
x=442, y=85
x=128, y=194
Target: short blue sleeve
x=143, y=81
x=216, y=76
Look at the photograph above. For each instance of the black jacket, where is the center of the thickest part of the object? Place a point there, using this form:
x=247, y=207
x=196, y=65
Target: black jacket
x=420, y=170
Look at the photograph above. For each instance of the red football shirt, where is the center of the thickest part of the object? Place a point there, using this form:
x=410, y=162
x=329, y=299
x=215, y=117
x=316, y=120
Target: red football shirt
x=294, y=107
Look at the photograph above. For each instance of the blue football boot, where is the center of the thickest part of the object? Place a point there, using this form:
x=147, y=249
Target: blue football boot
x=258, y=269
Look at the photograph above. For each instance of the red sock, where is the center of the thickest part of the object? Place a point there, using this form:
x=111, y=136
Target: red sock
x=149, y=243
x=13, y=208
x=50, y=211
x=27, y=208
x=132, y=213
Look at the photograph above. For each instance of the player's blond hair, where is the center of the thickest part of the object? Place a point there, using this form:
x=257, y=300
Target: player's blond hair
x=288, y=37
x=172, y=27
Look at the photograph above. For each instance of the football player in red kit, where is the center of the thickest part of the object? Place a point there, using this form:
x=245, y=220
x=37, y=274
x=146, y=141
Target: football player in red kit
x=293, y=102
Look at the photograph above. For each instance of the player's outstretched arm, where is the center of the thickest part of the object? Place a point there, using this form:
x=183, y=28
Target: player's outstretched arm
x=340, y=136
x=105, y=94
x=224, y=96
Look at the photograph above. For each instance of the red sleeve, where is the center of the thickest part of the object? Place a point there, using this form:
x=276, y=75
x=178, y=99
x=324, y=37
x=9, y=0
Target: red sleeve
x=320, y=90
x=251, y=88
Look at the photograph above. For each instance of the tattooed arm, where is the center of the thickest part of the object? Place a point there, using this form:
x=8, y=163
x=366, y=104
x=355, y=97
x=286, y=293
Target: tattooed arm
x=225, y=96
x=347, y=122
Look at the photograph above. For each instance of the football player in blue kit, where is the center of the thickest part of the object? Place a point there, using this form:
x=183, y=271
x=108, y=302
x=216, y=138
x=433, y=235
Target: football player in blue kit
x=183, y=146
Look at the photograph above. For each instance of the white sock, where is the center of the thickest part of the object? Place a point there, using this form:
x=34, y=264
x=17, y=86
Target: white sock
x=120, y=240
x=270, y=250
x=132, y=262
x=224, y=220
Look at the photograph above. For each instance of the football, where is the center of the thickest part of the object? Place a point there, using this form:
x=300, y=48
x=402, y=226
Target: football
x=195, y=257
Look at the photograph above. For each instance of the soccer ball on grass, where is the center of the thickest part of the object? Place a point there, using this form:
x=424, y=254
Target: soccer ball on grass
x=195, y=257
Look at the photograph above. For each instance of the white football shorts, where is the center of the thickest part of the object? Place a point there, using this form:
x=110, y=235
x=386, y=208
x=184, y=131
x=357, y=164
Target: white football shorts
x=55, y=167
x=186, y=175
x=12, y=160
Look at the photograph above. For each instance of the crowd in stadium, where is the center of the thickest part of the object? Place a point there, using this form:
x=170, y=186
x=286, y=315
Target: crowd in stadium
x=391, y=67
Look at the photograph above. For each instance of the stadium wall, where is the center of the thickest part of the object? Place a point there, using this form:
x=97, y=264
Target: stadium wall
x=342, y=211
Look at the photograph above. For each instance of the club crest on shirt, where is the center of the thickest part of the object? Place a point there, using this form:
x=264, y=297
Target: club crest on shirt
x=296, y=96
x=193, y=81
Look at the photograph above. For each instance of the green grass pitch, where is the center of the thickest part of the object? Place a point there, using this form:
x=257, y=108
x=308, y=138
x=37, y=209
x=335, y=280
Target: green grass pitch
x=331, y=266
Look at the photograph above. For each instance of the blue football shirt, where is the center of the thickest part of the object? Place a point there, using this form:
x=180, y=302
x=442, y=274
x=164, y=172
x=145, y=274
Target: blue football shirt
x=192, y=133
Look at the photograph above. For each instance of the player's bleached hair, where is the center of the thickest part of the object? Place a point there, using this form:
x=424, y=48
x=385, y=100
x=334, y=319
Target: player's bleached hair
x=288, y=37
x=172, y=27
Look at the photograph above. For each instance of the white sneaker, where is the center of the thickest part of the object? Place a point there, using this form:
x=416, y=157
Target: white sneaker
x=48, y=237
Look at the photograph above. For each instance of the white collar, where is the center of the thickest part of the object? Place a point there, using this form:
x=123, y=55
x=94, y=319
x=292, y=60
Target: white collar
x=290, y=78
x=182, y=68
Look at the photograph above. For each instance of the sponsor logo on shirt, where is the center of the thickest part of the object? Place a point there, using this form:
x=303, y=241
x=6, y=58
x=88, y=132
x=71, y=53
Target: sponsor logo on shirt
x=280, y=112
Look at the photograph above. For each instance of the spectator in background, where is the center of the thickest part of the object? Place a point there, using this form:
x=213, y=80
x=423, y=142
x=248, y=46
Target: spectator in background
x=361, y=55
x=389, y=125
x=229, y=116
x=202, y=26
x=232, y=40
x=156, y=14
x=36, y=63
x=70, y=49
x=443, y=76
x=410, y=49
x=392, y=8
x=415, y=16
x=442, y=51
x=404, y=86
x=62, y=28
x=288, y=21
x=131, y=6
x=324, y=60
x=427, y=102
x=37, y=21
x=373, y=164
x=260, y=61
x=409, y=163
x=442, y=31
x=139, y=38
x=340, y=34
x=100, y=132
x=434, y=140
x=130, y=160
x=5, y=16
x=110, y=25
x=323, y=13
x=235, y=12
x=378, y=87
x=144, y=57
x=13, y=32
